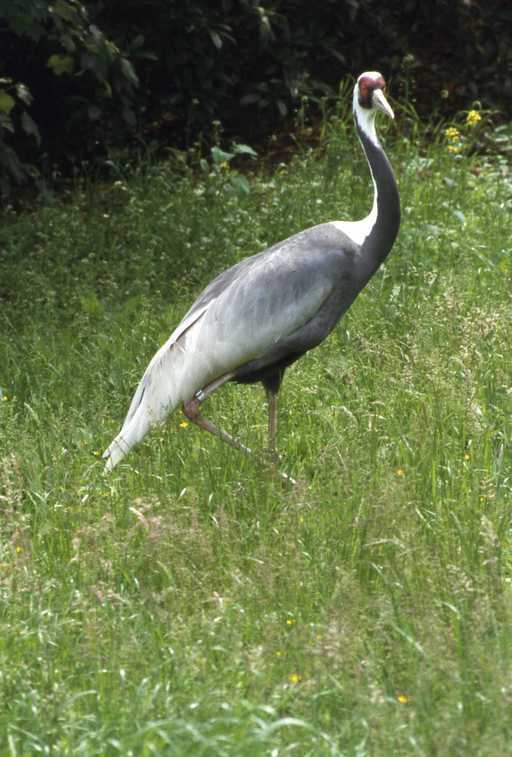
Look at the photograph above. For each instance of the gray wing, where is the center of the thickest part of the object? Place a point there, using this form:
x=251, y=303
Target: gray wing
x=308, y=257
x=285, y=299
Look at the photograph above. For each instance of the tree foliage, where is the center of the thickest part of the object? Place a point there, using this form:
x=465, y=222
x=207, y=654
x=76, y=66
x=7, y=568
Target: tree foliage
x=77, y=76
x=59, y=74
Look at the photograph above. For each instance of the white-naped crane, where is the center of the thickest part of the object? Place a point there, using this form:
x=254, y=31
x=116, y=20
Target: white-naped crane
x=259, y=316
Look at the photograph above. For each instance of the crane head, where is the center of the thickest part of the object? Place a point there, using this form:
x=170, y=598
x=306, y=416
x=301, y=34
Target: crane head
x=369, y=93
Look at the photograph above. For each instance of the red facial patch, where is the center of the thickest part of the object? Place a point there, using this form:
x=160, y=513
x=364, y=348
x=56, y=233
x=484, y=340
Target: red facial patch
x=367, y=84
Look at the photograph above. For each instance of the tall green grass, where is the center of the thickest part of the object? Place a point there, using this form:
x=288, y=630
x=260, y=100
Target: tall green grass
x=192, y=604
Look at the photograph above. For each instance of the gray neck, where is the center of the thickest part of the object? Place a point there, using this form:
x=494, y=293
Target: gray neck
x=379, y=242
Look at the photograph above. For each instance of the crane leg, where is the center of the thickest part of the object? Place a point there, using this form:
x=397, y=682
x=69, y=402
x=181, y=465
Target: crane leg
x=272, y=423
x=191, y=410
x=272, y=432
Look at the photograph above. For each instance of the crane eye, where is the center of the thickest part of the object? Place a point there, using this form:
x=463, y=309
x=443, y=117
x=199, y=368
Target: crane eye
x=365, y=94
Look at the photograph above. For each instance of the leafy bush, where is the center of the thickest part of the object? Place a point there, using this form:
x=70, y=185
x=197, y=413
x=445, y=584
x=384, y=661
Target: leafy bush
x=70, y=73
x=246, y=62
x=69, y=69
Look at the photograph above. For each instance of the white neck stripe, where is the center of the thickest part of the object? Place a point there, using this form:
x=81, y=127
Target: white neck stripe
x=359, y=231
x=365, y=118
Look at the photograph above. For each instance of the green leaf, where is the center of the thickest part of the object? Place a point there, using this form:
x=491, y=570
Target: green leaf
x=129, y=72
x=61, y=64
x=6, y=124
x=7, y=102
x=244, y=150
x=64, y=10
x=29, y=126
x=240, y=184
x=137, y=42
x=219, y=156
x=24, y=93
x=216, y=39
x=68, y=43
x=281, y=106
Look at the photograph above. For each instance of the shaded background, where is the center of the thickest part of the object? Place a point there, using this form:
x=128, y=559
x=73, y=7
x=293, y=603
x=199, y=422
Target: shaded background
x=80, y=78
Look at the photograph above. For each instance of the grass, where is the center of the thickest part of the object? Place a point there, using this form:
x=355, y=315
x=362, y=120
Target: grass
x=191, y=604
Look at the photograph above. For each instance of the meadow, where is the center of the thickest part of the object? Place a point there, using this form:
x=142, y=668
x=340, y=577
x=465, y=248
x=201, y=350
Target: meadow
x=191, y=603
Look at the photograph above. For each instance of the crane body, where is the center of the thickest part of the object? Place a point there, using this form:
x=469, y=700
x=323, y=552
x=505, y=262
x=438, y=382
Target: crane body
x=259, y=316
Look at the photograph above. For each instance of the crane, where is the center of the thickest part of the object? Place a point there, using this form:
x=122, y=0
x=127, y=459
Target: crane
x=262, y=314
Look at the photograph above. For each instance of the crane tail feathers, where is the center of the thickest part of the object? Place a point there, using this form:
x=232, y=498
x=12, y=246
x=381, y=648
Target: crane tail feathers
x=172, y=376
x=135, y=403
x=131, y=433
x=115, y=453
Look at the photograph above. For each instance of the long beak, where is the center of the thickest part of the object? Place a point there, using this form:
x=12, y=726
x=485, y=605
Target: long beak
x=380, y=102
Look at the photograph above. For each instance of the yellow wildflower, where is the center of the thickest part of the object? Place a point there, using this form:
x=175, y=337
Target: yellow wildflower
x=290, y=621
x=183, y=424
x=453, y=148
x=452, y=134
x=473, y=118
x=400, y=472
x=295, y=678
x=467, y=456
x=402, y=698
